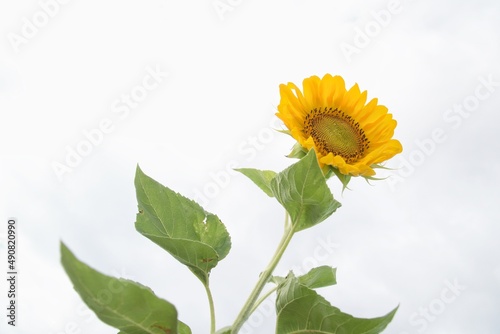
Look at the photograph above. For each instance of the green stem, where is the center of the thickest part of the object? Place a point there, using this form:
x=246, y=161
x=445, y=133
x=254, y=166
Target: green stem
x=287, y=221
x=212, y=308
x=261, y=299
x=248, y=308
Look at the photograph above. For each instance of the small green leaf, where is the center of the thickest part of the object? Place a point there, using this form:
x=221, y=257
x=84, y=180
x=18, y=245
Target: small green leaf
x=319, y=277
x=179, y=225
x=303, y=192
x=128, y=306
x=276, y=279
x=301, y=310
x=262, y=178
x=316, y=278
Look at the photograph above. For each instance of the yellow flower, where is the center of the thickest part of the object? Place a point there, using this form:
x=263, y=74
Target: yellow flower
x=347, y=133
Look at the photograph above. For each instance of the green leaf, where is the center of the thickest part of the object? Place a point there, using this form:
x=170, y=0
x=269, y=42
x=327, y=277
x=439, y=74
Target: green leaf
x=126, y=305
x=193, y=236
x=276, y=279
x=316, y=278
x=303, y=192
x=182, y=328
x=262, y=178
x=301, y=310
x=319, y=277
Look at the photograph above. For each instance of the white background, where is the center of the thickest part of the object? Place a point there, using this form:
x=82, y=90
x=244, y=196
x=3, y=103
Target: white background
x=403, y=241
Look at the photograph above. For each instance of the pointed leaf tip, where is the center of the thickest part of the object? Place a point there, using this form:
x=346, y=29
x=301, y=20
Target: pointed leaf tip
x=196, y=238
x=262, y=178
x=128, y=306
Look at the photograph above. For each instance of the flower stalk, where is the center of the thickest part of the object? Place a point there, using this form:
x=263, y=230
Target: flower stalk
x=264, y=277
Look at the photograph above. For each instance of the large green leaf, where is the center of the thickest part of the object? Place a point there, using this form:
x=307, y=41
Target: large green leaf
x=128, y=306
x=262, y=178
x=301, y=310
x=303, y=192
x=193, y=236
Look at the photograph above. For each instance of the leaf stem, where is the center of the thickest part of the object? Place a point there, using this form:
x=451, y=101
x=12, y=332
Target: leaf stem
x=249, y=306
x=287, y=221
x=212, y=308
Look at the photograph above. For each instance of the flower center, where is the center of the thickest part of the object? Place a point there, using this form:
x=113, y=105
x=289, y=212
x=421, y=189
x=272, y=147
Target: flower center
x=334, y=131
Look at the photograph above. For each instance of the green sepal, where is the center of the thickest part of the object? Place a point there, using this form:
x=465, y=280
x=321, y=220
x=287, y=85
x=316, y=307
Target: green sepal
x=380, y=166
x=344, y=179
x=297, y=151
x=286, y=132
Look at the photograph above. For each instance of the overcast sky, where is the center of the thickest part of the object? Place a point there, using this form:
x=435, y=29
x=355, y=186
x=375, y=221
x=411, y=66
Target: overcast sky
x=188, y=90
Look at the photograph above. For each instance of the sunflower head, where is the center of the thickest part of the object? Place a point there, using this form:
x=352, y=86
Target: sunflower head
x=350, y=137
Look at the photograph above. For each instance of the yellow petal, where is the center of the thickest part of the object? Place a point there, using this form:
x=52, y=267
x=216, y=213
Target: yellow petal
x=327, y=98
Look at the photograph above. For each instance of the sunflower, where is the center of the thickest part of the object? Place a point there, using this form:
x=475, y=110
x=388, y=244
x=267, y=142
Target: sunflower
x=349, y=135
